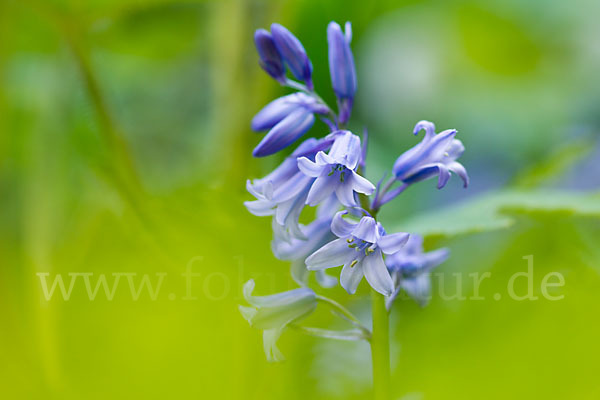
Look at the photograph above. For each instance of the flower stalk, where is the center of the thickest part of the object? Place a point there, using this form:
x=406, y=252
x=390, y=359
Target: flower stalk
x=380, y=347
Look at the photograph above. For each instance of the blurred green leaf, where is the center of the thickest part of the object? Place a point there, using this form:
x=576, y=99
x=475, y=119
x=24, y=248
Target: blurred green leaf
x=495, y=210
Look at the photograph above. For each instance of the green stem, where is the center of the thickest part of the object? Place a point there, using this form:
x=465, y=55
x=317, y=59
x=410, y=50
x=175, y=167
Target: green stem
x=380, y=348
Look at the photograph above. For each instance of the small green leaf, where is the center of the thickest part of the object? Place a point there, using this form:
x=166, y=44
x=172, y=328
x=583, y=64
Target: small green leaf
x=493, y=211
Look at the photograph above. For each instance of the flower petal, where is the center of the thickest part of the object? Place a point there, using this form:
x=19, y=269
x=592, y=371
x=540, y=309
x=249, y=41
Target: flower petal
x=293, y=53
x=345, y=194
x=321, y=188
x=309, y=168
x=351, y=276
x=459, y=170
x=366, y=230
x=391, y=244
x=270, y=345
x=333, y=254
x=260, y=208
x=274, y=112
x=346, y=150
x=340, y=227
x=377, y=274
x=361, y=184
x=285, y=132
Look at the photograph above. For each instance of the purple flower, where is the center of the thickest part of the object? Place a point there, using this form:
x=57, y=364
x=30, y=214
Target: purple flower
x=335, y=172
x=293, y=54
x=436, y=155
x=283, y=192
x=410, y=268
x=288, y=118
x=360, y=250
x=270, y=59
x=341, y=68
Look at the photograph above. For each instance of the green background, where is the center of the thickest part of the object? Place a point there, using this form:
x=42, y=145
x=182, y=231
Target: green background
x=125, y=146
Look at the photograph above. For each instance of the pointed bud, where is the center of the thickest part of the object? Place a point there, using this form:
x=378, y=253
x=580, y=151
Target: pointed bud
x=293, y=54
x=270, y=59
x=341, y=68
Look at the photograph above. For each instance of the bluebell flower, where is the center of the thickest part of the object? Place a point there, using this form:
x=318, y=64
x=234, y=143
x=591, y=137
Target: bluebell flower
x=293, y=54
x=360, y=250
x=274, y=313
x=435, y=155
x=270, y=59
x=410, y=269
x=336, y=172
x=284, y=191
x=341, y=68
x=287, y=118
x=316, y=234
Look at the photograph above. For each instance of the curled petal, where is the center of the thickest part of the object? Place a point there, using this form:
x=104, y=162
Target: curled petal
x=444, y=176
x=429, y=128
x=391, y=244
x=260, y=208
x=285, y=132
x=309, y=168
x=459, y=170
x=361, y=184
x=333, y=254
x=340, y=227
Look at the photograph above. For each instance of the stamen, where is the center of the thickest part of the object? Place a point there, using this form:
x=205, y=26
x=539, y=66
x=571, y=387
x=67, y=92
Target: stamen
x=342, y=177
x=350, y=240
x=353, y=263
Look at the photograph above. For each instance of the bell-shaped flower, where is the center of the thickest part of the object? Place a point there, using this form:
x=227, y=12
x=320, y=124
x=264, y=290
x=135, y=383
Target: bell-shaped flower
x=287, y=118
x=336, y=172
x=293, y=54
x=410, y=269
x=435, y=155
x=272, y=314
x=270, y=59
x=341, y=68
x=316, y=234
x=284, y=191
x=360, y=249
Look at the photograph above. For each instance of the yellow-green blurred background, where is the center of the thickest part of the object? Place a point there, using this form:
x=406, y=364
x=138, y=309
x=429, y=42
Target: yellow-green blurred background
x=125, y=146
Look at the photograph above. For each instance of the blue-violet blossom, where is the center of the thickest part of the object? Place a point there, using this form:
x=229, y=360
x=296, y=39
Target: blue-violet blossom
x=270, y=59
x=360, y=250
x=336, y=172
x=435, y=155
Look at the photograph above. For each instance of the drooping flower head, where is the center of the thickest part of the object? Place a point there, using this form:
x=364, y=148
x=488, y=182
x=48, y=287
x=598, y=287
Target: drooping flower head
x=341, y=68
x=336, y=172
x=410, y=269
x=435, y=155
x=272, y=314
x=359, y=248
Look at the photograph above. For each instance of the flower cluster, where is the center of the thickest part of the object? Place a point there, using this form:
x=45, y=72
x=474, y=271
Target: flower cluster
x=327, y=173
